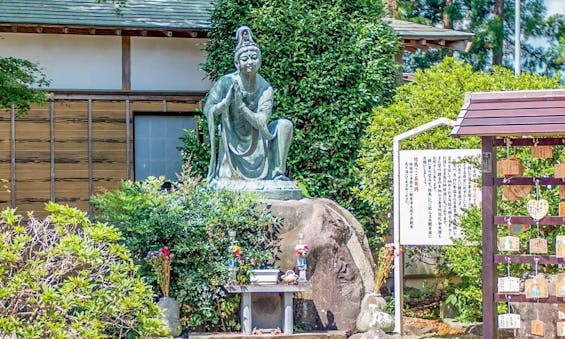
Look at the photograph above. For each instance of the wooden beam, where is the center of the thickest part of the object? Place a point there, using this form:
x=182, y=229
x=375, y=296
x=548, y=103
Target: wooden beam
x=126, y=63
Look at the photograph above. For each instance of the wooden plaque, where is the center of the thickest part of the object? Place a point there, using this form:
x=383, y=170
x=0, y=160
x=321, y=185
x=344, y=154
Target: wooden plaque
x=560, y=289
x=538, y=246
x=509, y=321
x=515, y=229
x=559, y=170
x=509, y=244
x=538, y=327
x=536, y=288
x=562, y=209
x=561, y=192
x=508, y=285
x=541, y=151
x=509, y=167
x=537, y=208
x=560, y=285
x=560, y=246
x=560, y=311
x=560, y=328
x=515, y=192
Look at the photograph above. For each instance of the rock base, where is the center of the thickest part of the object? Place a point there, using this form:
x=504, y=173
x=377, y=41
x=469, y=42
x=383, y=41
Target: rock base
x=339, y=264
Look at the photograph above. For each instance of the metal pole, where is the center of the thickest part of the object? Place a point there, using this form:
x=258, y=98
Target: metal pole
x=398, y=257
x=517, y=39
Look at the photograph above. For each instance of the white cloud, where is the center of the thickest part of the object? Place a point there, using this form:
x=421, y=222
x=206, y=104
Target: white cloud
x=555, y=6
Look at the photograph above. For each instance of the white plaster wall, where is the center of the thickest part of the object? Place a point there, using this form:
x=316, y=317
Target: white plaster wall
x=70, y=61
x=167, y=64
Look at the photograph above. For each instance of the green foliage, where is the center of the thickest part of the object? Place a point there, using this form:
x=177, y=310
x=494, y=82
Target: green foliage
x=195, y=152
x=17, y=77
x=465, y=261
x=437, y=92
x=192, y=221
x=330, y=63
x=66, y=277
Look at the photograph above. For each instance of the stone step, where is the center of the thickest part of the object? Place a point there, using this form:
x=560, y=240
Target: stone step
x=302, y=335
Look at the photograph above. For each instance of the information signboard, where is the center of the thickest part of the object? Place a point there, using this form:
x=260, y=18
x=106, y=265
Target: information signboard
x=434, y=186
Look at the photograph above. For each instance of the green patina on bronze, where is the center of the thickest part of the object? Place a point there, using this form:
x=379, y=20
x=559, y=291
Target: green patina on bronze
x=252, y=152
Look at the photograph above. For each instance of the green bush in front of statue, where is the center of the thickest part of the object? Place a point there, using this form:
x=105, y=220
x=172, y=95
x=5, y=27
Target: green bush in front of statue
x=66, y=277
x=192, y=220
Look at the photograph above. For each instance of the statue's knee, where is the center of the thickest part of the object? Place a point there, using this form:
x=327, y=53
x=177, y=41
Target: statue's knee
x=284, y=125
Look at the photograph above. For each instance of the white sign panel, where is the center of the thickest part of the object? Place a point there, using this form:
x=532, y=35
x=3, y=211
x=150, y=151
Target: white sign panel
x=434, y=186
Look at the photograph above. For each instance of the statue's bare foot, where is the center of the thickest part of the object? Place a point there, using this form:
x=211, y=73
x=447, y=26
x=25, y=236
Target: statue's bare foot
x=281, y=177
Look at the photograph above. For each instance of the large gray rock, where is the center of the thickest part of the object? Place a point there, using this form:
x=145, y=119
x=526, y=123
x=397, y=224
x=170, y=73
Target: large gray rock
x=340, y=265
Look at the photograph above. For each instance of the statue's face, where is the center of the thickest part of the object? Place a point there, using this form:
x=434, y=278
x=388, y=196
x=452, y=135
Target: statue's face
x=249, y=61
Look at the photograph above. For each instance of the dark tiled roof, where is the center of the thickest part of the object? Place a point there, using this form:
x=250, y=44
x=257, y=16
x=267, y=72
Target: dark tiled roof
x=407, y=30
x=539, y=112
x=141, y=14
x=151, y=15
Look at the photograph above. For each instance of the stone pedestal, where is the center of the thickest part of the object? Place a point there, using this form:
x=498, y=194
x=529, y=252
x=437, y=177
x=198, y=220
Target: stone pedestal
x=340, y=265
x=270, y=189
x=261, y=306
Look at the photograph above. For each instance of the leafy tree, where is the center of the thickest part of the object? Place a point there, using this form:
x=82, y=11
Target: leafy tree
x=492, y=22
x=436, y=92
x=17, y=79
x=329, y=62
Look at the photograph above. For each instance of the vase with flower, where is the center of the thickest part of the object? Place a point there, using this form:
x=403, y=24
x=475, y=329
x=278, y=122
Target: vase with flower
x=301, y=250
x=160, y=261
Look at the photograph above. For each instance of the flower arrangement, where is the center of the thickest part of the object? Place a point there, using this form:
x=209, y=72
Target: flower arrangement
x=236, y=251
x=302, y=249
x=384, y=265
x=160, y=261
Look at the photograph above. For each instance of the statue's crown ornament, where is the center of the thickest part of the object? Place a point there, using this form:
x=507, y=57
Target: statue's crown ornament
x=245, y=41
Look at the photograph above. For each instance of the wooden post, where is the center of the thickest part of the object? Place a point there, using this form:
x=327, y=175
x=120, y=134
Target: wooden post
x=52, y=149
x=128, y=143
x=13, y=157
x=489, y=236
x=90, y=165
x=126, y=63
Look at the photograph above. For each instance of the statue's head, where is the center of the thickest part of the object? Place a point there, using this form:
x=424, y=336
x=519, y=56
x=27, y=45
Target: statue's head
x=246, y=49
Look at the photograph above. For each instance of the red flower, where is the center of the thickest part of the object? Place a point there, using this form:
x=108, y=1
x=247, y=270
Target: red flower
x=238, y=255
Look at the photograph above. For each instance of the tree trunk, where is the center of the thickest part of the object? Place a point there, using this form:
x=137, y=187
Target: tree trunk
x=498, y=32
x=447, y=22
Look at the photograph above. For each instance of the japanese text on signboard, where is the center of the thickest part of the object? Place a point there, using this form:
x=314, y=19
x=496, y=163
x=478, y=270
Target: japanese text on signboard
x=434, y=186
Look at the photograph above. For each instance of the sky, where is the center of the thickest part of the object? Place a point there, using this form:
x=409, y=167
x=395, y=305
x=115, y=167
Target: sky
x=555, y=6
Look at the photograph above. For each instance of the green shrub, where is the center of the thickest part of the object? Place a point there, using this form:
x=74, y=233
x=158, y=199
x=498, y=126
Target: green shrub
x=436, y=92
x=192, y=221
x=66, y=277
